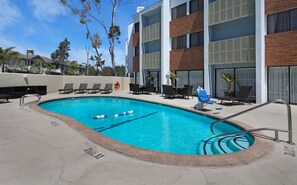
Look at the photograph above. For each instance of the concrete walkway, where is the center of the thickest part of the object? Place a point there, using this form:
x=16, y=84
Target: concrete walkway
x=36, y=149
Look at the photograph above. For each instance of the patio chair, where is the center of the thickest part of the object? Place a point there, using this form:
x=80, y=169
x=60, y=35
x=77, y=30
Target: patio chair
x=243, y=95
x=135, y=89
x=68, y=88
x=107, y=88
x=203, y=99
x=5, y=96
x=82, y=88
x=149, y=89
x=187, y=91
x=169, y=91
x=94, y=89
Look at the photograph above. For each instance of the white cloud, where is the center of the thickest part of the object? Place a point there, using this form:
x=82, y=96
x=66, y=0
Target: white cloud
x=47, y=10
x=9, y=14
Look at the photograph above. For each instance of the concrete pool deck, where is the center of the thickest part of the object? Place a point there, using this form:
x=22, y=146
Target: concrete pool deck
x=39, y=149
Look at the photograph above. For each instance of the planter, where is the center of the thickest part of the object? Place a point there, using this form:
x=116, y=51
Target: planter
x=231, y=94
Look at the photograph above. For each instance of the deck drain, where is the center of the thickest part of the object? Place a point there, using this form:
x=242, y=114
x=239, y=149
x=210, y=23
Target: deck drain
x=94, y=153
x=289, y=151
x=54, y=123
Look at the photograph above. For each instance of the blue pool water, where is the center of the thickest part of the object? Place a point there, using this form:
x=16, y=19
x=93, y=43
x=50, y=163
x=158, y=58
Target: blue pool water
x=150, y=126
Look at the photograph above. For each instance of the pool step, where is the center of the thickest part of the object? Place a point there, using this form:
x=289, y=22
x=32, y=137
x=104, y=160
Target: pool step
x=225, y=144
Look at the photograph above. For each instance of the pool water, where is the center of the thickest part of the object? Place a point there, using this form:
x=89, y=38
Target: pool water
x=150, y=126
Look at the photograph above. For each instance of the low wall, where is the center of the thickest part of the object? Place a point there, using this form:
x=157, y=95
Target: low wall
x=55, y=82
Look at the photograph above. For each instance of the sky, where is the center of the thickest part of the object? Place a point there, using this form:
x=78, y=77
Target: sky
x=42, y=24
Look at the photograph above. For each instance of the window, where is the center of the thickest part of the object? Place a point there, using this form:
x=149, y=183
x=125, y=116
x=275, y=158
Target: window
x=136, y=27
x=179, y=11
x=179, y=42
x=282, y=22
x=196, y=5
x=137, y=51
x=197, y=39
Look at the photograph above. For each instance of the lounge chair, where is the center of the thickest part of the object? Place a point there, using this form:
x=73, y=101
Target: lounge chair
x=5, y=96
x=94, y=89
x=203, y=99
x=82, y=88
x=243, y=95
x=169, y=91
x=107, y=88
x=68, y=88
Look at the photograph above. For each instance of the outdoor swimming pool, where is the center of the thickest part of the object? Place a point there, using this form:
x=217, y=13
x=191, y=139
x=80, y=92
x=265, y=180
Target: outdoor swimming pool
x=150, y=126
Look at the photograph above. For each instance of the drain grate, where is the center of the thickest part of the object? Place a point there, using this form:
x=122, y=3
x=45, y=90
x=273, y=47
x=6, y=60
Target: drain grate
x=94, y=153
x=289, y=151
x=54, y=123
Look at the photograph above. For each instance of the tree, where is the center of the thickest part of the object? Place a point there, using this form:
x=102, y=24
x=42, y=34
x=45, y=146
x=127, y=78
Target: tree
x=91, y=10
x=6, y=55
x=61, y=54
x=49, y=67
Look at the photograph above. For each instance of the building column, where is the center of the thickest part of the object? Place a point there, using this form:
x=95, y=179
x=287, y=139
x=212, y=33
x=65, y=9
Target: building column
x=261, y=72
x=165, y=40
x=140, y=51
x=207, y=81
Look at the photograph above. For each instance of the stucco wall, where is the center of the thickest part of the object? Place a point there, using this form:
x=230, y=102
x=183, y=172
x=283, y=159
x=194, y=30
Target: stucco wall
x=54, y=82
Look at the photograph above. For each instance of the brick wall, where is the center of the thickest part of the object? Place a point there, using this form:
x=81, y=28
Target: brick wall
x=136, y=64
x=135, y=39
x=272, y=6
x=188, y=24
x=187, y=59
x=281, y=49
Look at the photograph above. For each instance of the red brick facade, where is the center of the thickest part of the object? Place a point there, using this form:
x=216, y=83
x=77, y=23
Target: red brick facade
x=188, y=24
x=281, y=49
x=273, y=6
x=136, y=64
x=187, y=59
x=135, y=39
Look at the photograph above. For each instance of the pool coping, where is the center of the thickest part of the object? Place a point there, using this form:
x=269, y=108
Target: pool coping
x=259, y=149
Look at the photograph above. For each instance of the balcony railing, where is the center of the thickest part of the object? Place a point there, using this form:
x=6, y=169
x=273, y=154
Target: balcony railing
x=232, y=51
x=151, y=60
x=151, y=32
x=226, y=10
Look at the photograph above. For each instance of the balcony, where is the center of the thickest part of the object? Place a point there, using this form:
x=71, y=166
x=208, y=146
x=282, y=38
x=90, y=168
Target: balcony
x=151, y=60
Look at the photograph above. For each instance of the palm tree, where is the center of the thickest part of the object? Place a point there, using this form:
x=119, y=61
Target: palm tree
x=6, y=55
x=229, y=79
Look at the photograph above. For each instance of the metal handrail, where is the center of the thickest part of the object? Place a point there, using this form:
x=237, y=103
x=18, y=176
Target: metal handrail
x=289, y=131
x=22, y=99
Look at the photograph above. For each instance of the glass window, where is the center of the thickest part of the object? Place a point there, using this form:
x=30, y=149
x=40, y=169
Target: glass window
x=278, y=83
x=136, y=27
x=246, y=77
x=196, y=79
x=282, y=21
x=182, y=79
x=137, y=51
x=293, y=84
x=179, y=42
x=196, y=39
x=293, y=19
x=196, y=5
x=179, y=11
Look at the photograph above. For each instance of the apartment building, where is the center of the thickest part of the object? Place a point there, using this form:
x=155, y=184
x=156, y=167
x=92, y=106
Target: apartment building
x=252, y=40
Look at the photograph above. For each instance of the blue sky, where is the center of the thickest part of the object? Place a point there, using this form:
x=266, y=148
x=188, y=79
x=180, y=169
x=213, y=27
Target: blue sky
x=42, y=24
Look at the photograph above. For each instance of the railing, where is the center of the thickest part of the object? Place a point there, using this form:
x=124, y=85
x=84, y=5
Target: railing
x=22, y=99
x=289, y=131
